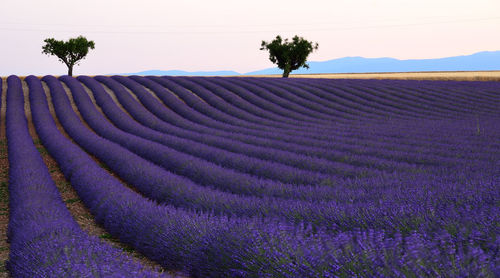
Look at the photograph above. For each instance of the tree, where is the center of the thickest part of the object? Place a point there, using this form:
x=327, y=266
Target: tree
x=289, y=55
x=69, y=52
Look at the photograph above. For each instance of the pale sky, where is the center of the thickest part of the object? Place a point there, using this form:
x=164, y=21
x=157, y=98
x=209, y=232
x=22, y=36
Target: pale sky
x=132, y=36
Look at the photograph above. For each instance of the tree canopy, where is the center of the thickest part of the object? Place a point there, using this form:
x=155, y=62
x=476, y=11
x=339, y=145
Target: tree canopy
x=69, y=52
x=289, y=55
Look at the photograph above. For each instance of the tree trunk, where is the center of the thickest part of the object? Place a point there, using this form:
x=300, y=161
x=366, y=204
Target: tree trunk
x=70, y=70
x=286, y=71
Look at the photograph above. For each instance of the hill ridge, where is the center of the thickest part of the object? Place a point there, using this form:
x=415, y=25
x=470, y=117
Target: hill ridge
x=480, y=61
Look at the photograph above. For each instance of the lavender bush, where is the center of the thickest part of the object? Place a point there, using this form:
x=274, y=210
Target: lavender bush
x=263, y=177
x=45, y=240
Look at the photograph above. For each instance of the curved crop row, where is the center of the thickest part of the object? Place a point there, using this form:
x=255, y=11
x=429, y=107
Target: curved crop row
x=296, y=142
x=160, y=185
x=424, y=101
x=155, y=116
x=204, y=245
x=291, y=89
x=424, y=221
x=300, y=139
x=423, y=89
x=348, y=102
x=223, y=157
x=324, y=214
x=258, y=101
x=253, y=104
x=45, y=241
x=382, y=103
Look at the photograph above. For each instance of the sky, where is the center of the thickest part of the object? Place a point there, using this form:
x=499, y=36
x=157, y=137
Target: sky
x=133, y=36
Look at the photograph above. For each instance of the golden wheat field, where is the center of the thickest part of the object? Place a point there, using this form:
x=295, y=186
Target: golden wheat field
x=435, y=75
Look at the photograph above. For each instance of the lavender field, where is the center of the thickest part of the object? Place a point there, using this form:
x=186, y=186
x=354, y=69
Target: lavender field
x=256, y=177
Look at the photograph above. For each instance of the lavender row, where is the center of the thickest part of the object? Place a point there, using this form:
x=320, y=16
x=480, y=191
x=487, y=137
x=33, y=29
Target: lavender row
x=153, y=180
x=219, y=156
x=215, y=246
x=296, y=141
x=414, y=135
x=253, y=93
x=257, y=167
x=433, y=101
x=256, y=100
x=376, y=102
x=356, y=108
x=465, y=91
x=262, y=133
x=206, y=92
x=193, y=100
x=199, y=244
x=440, y=93
x=428, y=87
x=207, y=82
x=308, y=163
x=349, y=134
x=381, y=102
x=199, y=90
x=423, y=150
x=306, y=108
x=291, y=94
x=203, y=93
x=45, y=240
x=392, y=145
x=444, y=151
x=386, y=99
x=210, y=95
x=453, y=109
x=353, y=144
x=174, y=103
x=159, y=185
x=238, y=91
x=159, y=118
x=332, y=215
x=446, y=91
x=254, y=104
x=429, y=99
x=207, y=137
x=165, y=96
x=350, y=102
x=385, y=102
x=420, y=150
x=193, y=94
x=168, y=116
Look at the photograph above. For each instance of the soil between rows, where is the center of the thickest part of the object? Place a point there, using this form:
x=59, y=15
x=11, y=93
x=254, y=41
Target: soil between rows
x=76, y=207
x=4, y=181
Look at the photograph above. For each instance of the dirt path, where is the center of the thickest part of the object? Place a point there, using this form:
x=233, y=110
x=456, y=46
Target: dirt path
x=4, y=193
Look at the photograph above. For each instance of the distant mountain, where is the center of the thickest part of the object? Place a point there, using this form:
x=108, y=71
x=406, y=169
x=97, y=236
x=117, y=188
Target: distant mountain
x=184, y=73
x=486, y=60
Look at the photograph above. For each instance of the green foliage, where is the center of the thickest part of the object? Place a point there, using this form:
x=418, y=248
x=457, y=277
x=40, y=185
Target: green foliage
x=106, y=236
x=289, y=55
x=69, y=52
x=71, y=201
